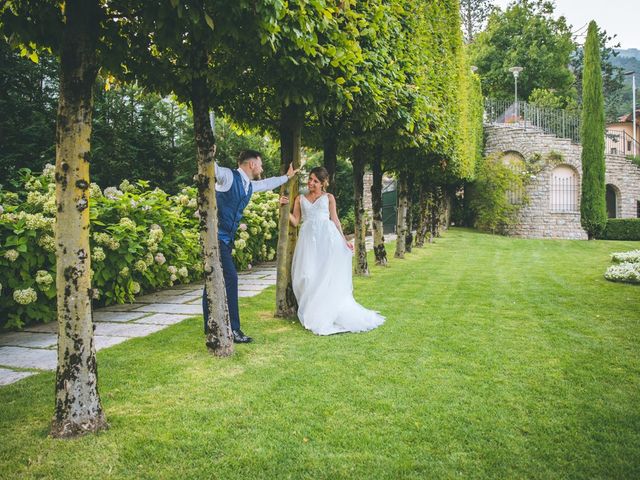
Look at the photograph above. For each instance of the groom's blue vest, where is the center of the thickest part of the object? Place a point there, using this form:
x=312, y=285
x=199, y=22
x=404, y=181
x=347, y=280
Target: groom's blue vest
x=230, y=207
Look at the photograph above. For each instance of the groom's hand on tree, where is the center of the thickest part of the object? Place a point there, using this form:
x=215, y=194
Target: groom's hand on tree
x=291, y=172
x=284, y=200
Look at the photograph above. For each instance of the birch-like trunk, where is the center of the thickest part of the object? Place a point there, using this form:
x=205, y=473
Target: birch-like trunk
x=408, y=241
x=423, y=224
x=379, y=250
x=401, y=222
x=360, y=266
x=290, y=130
x=78, y=409
x=218, y=338
x=330, y=155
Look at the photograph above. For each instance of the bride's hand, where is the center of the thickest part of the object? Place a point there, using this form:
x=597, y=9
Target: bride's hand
x=349, y=245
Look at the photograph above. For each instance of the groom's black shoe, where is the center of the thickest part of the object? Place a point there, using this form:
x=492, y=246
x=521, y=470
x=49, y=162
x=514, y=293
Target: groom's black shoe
x=239, y=337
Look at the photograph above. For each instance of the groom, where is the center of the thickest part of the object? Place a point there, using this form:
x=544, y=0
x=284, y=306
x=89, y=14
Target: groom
x=233, y=191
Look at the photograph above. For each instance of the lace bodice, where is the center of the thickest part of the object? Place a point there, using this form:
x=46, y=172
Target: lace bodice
x=318, y=210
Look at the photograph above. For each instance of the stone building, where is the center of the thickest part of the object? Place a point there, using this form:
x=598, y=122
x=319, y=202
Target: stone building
x=553, y=206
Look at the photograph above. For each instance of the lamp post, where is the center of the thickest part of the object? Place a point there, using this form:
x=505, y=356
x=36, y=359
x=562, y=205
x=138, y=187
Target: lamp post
x=633, y=110
x=516, y=71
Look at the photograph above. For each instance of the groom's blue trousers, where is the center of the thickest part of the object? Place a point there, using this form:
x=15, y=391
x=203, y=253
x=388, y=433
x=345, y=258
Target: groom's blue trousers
x=230, y=275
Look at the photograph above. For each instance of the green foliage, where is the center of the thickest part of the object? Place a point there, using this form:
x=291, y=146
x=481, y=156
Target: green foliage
x=490, y=194
x=593, y=207
x=142, y=240
x=621, y=229
x=526, y=34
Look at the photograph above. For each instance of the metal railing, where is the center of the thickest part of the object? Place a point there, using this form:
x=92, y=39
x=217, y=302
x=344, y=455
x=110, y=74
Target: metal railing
x=523, y=115
x=564, y=194
x=619, y=142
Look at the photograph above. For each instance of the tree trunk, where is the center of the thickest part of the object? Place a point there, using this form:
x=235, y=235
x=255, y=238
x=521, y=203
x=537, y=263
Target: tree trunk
x=409, y=237
x=330, y=150
x=360, y=228
x=422, y=223
x=218, y=338
x=401, y=222
x=78, y=409
x=376, y=202
x=290, y=129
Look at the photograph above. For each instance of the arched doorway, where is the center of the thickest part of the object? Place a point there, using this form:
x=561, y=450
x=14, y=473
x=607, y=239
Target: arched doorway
x=612, y=196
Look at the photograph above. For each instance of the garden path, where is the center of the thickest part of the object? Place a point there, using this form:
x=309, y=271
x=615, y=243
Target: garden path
x=32, y=350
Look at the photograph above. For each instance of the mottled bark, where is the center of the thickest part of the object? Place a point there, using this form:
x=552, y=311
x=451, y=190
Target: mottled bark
x=376, y=201
x=359, y=161
x=78, y=409
x=401, y=223
x=408, y=242
x=422, y=223
x=330, y=155
x=290, y=128
x=435, y=215
x=218, y=339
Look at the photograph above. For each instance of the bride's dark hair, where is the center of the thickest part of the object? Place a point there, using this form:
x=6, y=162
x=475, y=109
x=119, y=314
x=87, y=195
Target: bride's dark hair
x=322, y=175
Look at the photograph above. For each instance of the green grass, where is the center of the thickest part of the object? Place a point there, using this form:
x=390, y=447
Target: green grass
x=500, y=358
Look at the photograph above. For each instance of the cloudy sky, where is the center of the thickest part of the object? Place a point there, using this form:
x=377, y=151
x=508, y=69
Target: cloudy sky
x=615, y=16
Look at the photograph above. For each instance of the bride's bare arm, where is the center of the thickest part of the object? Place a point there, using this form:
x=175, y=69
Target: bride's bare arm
x=294, y=217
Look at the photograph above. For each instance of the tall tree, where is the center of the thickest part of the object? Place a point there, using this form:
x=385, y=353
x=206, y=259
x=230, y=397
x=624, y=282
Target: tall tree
x=593, y=207
x=474, y=14
x=74, y=31
x=525, y=34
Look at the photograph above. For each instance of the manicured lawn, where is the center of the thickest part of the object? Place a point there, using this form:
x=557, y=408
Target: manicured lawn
x=500, y=358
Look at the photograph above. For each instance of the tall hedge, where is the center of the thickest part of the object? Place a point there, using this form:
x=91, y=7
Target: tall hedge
x=593, y=208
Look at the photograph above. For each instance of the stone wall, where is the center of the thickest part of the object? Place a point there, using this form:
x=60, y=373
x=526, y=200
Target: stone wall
x=536, y=219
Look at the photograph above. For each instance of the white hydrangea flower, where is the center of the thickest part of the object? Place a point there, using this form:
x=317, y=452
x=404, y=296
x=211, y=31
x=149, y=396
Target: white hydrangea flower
x=128, y=223
x=36, y=198
x=112, y=193
x=126, y=186
x=148, y=259
x=94, y=190
x=153, y=247
x=97, y=254
x=242, y=227
x=172, y=270
x=96, y=293
x=124, y=272
x=240, y=244
x=140, y=266
x=244, y=235
x=159, y=258
x=193, y=203
x=49, y=171
x=135, y=288
x=25, y=297
x=174, y=278
x=49, y=207
x=44, y=278
x=11, y=255
x=183, y=272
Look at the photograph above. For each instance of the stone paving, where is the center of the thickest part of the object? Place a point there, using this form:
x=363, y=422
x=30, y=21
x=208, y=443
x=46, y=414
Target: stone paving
x=33, y=350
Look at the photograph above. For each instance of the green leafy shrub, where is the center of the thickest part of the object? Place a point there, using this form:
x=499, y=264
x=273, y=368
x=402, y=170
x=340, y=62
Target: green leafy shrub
x=141, y=240
x=493, y=192
x=621, y=229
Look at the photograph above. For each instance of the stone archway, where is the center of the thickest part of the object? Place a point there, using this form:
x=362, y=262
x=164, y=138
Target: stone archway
x=613, y=201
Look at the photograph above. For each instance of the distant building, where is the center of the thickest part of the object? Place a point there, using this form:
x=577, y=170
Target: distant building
x=620, y=136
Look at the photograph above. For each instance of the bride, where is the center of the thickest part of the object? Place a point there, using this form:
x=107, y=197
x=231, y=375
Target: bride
x=321, y=271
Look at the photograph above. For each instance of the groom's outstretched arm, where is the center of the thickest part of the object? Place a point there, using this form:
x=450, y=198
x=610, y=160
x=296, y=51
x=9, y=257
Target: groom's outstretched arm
x=273, y=182
x=224, y=178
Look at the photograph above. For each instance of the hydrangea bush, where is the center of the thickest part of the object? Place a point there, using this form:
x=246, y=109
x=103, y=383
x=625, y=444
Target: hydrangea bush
x=141, y=240
x=626, y=268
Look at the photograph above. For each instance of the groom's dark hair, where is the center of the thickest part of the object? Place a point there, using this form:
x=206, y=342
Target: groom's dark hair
x=247, y=155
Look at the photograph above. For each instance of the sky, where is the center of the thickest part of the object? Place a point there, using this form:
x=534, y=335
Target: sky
x=614, y=16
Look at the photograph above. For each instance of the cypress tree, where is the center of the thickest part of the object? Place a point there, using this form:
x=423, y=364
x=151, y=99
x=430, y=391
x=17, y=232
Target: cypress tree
x=593, y=209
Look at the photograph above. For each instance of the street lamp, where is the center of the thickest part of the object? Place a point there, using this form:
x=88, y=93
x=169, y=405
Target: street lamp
x=633, y=110
x=516, y=71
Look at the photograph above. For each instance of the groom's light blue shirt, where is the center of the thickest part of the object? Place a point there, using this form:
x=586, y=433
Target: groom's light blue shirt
x=224, y=180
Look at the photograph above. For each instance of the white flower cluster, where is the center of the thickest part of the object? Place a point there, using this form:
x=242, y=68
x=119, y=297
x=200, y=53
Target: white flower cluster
x=124, y=272
x=140, y=266
x=135, y=288
x=25, y=297
x=11, y=255
x=33, y=184
x=106, y=240
x=126, y=186
x=159, y=258
x=48, y=243
x=94, y=191
x=112, y=193
x=128, y=223
x=632, y=256
x=97, y=254
x=623, y=272
x=35, y=221
x=626, y=268
x=49, y=171
x=44, y=278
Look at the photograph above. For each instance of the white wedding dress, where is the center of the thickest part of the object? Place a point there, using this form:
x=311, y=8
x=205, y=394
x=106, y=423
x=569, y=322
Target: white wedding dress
x=321, y=276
